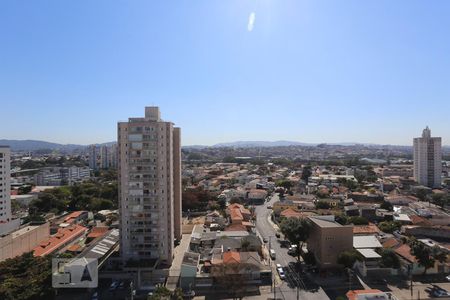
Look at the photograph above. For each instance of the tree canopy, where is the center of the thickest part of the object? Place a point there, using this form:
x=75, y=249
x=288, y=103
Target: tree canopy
x=389, y=259
x=348, y=258
x=26, y=277
x=296, y=231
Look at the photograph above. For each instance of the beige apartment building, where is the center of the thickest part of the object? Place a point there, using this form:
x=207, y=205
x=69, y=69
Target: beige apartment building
x=428, y=160
x=5, y=189
x=23, y=240
x=328, y=239
x=149, y=169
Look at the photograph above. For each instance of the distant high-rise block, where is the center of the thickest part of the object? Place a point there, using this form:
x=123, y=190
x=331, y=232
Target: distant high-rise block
x=113, y=156
x=428, y=160
x=149, y=170
x=93, y=157
x=104, y=157
x=5, y=186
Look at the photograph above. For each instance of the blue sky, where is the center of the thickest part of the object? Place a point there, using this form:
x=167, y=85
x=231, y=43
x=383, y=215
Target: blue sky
x=311, y=71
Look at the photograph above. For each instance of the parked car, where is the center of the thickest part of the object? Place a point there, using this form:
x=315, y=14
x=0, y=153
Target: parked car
x=265, y=240
x=284, y=243
x=114, y=285
x=281, y=273
x=273, y=255
x=293, y=250
x=278, y=235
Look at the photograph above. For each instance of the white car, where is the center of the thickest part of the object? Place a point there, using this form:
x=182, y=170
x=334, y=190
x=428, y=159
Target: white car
x=281, y=273
x=278, y=266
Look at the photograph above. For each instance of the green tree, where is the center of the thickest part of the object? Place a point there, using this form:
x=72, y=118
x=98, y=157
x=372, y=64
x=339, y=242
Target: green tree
x=341, y=219
x=322, y=205
x=287, y=184
x=387, y=206
x=440, y=199
x=296, y=231
x=427, y=256
x=389, y=259
x=422, y=194
x=348, y=258
x=389, y=226
x=26, y=277
x=160, y=293
x=357, y=220
x=24, y=189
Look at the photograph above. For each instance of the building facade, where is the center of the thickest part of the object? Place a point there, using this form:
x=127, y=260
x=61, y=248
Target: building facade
x=428, y=160
x=23, y=240
x=5, y=188
x=328, y=239
x=93, y=153
x=57, y=176
x=104, y=157
x=149, y=170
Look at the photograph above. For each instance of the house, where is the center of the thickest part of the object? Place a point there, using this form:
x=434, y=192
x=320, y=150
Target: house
x=244, y=267
x=351, y=210
x=368, y=212
x=370, y=229
x=369, y=294
x=402, y=218
x=401, y=200
x=412, y=265
x=238, y=213
x=441, y=232
x=291, y=213
x=366, y=242
x=189, y=268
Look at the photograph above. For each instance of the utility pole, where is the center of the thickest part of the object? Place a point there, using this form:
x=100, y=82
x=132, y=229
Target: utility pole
x=132, y=290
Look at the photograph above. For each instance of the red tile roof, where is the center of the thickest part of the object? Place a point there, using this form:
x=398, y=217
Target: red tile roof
x=231, y=257
x=391, y=243
x=72, y=216
x=418, y=220
x=366, y=229
x=236, y=227
x=97, y=232
x=236, y=215
x=353, y=295
x=54, y=243
x=404, y=251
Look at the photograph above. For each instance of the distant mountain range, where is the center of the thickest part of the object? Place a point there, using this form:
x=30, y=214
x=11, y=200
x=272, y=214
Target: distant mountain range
x=34, y=145
x=248, y=144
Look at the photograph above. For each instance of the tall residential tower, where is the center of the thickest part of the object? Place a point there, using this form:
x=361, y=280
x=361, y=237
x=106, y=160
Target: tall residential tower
x=5, y=189
x=428, y=160
x=149, y=169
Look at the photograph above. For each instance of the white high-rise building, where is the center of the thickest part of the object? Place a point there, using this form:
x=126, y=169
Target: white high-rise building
x=428, y=160
x=149, y=170
x=5, y=186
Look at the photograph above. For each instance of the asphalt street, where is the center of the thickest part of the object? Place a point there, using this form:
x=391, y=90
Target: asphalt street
x=288, y=288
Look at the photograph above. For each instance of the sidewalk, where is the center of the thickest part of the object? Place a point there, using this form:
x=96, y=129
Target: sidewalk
x=175, y=268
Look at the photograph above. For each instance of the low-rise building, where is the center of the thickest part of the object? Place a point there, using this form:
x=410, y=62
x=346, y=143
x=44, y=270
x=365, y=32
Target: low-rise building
x=23, y=240
x=327, y=239
x=62, y=239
